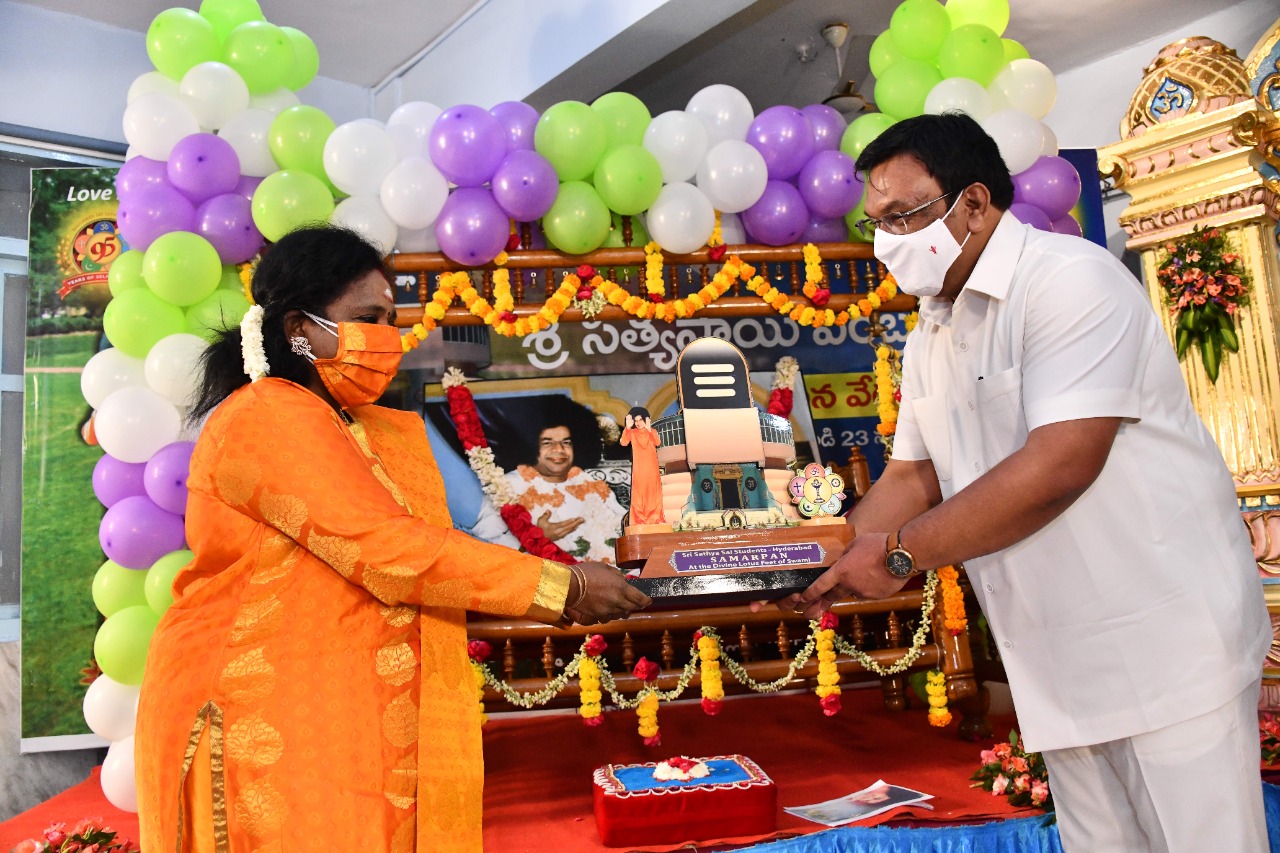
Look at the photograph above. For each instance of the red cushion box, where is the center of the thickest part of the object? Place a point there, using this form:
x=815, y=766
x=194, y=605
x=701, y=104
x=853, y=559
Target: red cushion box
x=735, y=799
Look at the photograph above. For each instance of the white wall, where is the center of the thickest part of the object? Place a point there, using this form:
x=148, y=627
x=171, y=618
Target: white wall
x=69, y=75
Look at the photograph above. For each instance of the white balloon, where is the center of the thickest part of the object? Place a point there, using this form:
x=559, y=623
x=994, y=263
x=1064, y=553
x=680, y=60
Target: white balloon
x=173, y=367
x=274, y=102
x=155, y=122
x=357, y=157
x=410, y=128
x=731, y=229
x=109, y=371
x=117, y=776
x=681, y=219
x=135, y=422
x=733, y=176
x=248, y=133
x=413, y=193
x=1027, y=85
x=724, y=112
x=959, y=93
x=1018, y=135
x=152, y=81
x=1050, y=147
x=372, y=122
x=215, y=93
x=417, y=241
x=111, y=708
x=364, y=215
x=679, y=142
x=130, y=153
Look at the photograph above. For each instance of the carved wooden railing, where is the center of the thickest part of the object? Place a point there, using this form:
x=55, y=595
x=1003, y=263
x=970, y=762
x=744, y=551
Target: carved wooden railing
x=527, y=654
x=615, y=264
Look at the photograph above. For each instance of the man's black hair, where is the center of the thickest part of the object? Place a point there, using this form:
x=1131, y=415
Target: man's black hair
x=952, y=147
x=639, y=412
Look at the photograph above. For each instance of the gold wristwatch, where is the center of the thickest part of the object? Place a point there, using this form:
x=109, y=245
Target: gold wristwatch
x=898, y=560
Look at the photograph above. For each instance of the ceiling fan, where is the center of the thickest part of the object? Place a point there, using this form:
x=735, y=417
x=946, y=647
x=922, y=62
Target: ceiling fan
x=845, y=97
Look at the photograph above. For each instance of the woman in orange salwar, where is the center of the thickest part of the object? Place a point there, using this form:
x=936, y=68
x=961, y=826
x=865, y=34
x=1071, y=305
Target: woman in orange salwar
x=309, y=688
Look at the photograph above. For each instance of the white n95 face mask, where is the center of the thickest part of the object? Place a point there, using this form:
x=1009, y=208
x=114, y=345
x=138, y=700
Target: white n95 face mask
x=920, y=260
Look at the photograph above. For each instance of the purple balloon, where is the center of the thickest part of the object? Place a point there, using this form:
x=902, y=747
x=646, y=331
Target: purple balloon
x=246, y=186
x=1051, y=184
x=1029, y=214
x=821, y=230
x=829, y=184
x=153, y=211
x=779, y=218
x=471, y=229
x=784, y=137
x=113, y=480
x=518, y=119
x=226, y=221
x=166, y=476
x=525, y=185
x=203, y=165
x=467, y=144
x=135, y=532
x=138, y=174
x=1066, y=225
x=828, y=126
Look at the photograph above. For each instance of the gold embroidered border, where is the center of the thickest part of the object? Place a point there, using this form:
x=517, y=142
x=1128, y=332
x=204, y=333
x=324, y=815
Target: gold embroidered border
x=552, y=593
x=209, y=716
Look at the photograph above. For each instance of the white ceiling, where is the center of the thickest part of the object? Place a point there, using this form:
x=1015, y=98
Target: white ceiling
x=755, y=50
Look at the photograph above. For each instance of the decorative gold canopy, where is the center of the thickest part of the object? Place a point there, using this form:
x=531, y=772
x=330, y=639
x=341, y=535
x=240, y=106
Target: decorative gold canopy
x=1194, y=75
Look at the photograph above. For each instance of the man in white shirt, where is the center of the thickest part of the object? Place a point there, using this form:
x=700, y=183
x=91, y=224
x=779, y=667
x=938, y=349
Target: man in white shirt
x=1047, y=440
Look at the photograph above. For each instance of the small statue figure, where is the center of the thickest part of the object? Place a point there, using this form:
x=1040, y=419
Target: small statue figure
x=646, y=478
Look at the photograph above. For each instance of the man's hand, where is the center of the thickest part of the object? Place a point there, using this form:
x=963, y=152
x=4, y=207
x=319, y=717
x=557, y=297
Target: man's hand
x=630, y=422
x=860, y=573
x=554, y=530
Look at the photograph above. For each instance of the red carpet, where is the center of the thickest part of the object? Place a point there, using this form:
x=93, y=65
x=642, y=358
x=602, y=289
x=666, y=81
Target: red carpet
x=538, y=770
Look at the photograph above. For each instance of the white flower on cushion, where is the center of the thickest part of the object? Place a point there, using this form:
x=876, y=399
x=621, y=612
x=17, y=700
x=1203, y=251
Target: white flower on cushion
x=255, y=357
x=681, y=769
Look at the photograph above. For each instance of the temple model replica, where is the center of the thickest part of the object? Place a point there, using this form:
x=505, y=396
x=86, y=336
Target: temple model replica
x=731, y=533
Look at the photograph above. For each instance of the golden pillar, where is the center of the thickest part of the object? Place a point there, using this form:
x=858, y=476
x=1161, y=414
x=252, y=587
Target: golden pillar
x=1200, y=147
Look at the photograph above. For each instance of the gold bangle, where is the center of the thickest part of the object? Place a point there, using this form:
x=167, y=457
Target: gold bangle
x=582, y=585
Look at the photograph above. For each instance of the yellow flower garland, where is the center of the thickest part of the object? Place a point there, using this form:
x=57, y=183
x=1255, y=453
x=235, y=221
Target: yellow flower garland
x=589, y=695
x=712, y=680
x=717, y=236
x=888, y=363
x=654, y=283
x=643, y=309
x=952, y=600
x=647, y=714
x=828, y=689
x=478, y=672
x=936, y=687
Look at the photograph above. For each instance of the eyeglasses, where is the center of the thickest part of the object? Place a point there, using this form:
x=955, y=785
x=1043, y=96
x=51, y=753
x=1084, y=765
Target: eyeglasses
x=896, y=223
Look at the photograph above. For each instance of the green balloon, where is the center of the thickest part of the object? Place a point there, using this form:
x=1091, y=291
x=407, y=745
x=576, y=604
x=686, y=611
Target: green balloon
x=628, y=179
x=992, y=14
x=578, y=220
x=1014, y=50
x=625, y=118
x=216, y=313
x=918, y=28
x=862, y=130
x=121, y=645
x=137, y=318
x=226, y=15
x=296, y=139
x=181, y=268
x=179, y=40
x=125, y=273
x=884, y=52
x=613, y=240
x=903, y=87
x=572, y=137
x=261, y=53
x=306, y=59
x=115, y=588
x=972, y=51
x=230, y=279
x=159, y=586
x=288, y=199
x=851, y=221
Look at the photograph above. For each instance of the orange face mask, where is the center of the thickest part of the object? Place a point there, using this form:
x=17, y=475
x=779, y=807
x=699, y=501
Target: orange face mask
x=367, y=360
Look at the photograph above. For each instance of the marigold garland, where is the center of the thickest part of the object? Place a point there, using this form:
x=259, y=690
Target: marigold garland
x=888, y=374
x=478, y=651
x=709, y=674
x=952, y=600
x=647, y=710
x=828, y=675
x=501, y=316
x=655, y=286
x=589, y=695
x=935, y=686
x=642, y=309
x=717, y=235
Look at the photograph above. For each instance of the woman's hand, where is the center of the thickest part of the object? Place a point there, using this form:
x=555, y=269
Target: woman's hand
x=608, y=595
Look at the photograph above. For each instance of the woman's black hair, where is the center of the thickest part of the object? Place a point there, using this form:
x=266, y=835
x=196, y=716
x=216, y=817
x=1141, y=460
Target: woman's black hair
x=954, y=149
x=307, y=270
